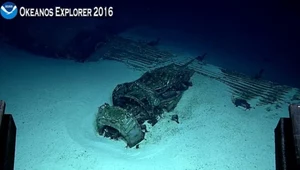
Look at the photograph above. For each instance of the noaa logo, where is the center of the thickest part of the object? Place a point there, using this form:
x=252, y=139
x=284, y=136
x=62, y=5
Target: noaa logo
x=9, y=10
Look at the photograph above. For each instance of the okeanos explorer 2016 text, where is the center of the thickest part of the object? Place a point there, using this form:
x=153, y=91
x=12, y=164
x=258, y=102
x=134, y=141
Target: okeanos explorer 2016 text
x=66, y=12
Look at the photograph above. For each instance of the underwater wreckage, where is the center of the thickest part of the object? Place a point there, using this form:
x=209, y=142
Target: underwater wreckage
x=90, y=45
x=140, y=56
x=142, y=100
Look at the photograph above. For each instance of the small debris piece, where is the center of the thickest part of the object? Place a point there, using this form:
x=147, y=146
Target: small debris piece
x=175, y=118
x=144, y=128
x=241, y=102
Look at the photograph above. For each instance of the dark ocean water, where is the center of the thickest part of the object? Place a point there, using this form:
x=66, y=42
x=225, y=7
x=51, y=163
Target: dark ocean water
x=257, y=35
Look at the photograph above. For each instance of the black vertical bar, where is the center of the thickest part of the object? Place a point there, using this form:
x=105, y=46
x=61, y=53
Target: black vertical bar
x=284, y=145
x=7, y=140
x=294, y=110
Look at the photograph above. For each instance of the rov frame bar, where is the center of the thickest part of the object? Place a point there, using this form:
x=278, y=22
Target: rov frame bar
x=287, y=140
x=8, y=139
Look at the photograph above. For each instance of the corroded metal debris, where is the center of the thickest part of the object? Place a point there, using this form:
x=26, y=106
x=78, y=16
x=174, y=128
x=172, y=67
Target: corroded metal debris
x=143, y=57
x=145, y=99
x=154, y=92
x=160, y=90
x=136, y=54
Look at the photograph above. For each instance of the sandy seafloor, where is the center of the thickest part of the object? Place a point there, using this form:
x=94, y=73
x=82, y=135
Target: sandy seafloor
x=54, y=103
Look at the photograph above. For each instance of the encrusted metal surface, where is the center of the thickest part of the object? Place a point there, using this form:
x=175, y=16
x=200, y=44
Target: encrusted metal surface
x=136, y=54
x=154, y=92
x=143, y=57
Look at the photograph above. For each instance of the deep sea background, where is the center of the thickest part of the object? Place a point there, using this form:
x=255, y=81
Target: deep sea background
x=245, y=36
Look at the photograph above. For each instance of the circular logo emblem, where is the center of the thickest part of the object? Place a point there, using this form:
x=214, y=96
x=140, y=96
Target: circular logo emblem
x=9, y=10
